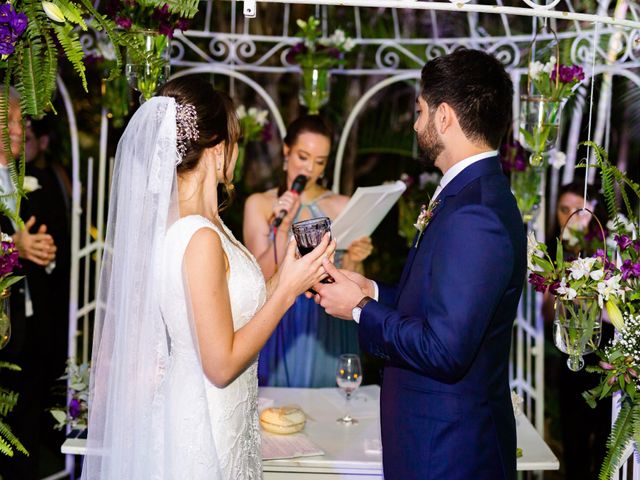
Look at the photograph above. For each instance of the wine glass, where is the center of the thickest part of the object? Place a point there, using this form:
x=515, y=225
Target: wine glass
x=309, y=233
x=348, y=378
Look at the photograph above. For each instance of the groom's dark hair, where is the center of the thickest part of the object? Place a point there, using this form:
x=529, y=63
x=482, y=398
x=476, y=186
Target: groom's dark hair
x=477, y=87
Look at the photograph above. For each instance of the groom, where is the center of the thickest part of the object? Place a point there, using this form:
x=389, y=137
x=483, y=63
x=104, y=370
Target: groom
x=445, y=329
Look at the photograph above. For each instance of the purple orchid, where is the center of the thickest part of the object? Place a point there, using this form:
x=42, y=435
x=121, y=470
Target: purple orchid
x=125, y=23
x=166, y=29
x=568, y=74
x=9, y=256
x=512, y=156
x=6, y=13
x=74, y=408
x=538, y=282
x=183, y=24
x=19, y=24
x=630, y=269
x=553, y=288
x=623, y=241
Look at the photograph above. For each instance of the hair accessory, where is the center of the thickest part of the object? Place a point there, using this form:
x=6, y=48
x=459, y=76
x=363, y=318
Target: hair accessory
x=186, y=127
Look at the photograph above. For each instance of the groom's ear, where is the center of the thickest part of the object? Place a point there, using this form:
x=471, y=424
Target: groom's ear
x=445, y=118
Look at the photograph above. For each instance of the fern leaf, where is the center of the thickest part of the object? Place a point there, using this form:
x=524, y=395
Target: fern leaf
x=10, y=440
x=10, y=366
x=70, y=43
x=71, y=13
x=620, y=437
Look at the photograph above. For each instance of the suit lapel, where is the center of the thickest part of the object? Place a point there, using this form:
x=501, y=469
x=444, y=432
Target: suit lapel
x=488, y=166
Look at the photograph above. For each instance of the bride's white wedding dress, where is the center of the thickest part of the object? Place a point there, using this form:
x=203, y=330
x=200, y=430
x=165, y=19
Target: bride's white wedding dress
x=188, y=414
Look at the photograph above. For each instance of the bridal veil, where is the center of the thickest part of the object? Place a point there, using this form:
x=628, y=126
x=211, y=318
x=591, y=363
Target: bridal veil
x=130, y=349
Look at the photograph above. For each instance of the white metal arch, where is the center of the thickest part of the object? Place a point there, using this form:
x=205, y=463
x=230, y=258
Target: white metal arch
x=212, y=68
x=358, y=107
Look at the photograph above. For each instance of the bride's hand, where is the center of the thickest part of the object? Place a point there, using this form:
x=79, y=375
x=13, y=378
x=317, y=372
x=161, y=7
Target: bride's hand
x=297, y=274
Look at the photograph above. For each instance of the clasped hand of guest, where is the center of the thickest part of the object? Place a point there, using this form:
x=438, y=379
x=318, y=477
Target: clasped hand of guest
x=339, y=298
x=297, y=273
x=37, y=247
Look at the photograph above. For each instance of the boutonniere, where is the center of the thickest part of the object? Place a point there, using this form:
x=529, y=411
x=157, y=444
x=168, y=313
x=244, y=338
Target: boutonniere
x=426, y=214
x=30, y=184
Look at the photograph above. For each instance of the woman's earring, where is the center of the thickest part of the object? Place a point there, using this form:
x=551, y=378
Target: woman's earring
x=284, y=164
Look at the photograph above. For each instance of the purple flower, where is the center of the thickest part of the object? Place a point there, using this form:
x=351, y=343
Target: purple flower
x=18, y=24
x=161, y=14
x=335, y=53
x=569, y=74
x=6, y=35
x=166, y=29
x=513, y=157
x=623, y=241
x=183, y=24
x=636, y=245
x=630, y=269
x=6, y=48
x=297, y=49
x=74, y=408
x=538, y=282
x=125, y=23
x=9, y=256
x=6, y=13
x=553, y=288
x=267, y=135
x=606, y=366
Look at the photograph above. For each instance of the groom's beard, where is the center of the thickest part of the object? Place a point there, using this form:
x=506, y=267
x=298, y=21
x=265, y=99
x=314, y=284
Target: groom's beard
x=430, y=144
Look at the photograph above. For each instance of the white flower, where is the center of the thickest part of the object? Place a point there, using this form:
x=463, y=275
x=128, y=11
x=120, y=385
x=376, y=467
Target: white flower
x=607, y=288
x=569, y=237
x=427, y=178
x=5, y=238
x=565, y=290
x=338, y=37
x=581, y=267
x=533, y=251
x=623, y=221
x=30, y=184
x=310, y=44
x=516, y=402
x=557, y=159
x=241, y=111
x=348, y=44
x=53, y=11
x=106, y=49
x=549, y=66
x=535, y=69
x=261, y=117
x=597, y=274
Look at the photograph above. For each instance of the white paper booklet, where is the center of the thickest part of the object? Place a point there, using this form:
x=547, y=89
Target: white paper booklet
x=288, y=446
x=364, y=212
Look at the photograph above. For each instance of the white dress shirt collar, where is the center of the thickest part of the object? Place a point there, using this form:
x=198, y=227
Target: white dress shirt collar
x=456, y=169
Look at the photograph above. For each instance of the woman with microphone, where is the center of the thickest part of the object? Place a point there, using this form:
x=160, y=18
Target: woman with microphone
x=304, y=349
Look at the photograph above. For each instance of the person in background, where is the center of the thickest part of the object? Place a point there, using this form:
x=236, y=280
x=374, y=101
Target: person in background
x=304, y=349
x=583, y=429
x=31, y=345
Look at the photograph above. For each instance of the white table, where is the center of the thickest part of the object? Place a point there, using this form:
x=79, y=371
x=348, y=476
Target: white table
x=344, y=445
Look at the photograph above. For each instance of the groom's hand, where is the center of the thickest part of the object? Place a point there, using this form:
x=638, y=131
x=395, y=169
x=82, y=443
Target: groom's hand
x=339, y=298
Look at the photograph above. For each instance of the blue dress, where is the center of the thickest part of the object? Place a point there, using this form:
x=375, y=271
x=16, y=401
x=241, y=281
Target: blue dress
x=303, y=350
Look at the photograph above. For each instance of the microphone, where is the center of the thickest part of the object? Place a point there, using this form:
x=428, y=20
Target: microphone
x=296, y=187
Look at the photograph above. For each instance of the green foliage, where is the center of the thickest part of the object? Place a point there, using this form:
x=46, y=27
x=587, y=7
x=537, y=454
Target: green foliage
x=620, y=437
x=8, y=400
x=70, y=43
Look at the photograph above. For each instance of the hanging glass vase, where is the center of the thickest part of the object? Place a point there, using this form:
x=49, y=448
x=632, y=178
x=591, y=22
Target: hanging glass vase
x=5, y=317
x=315, y=88
x=577, y=328
x=539, y=124
x=147, y=65
x=525, y=186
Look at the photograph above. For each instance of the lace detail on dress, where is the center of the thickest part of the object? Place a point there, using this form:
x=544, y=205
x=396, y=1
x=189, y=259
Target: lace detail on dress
x=230, y=413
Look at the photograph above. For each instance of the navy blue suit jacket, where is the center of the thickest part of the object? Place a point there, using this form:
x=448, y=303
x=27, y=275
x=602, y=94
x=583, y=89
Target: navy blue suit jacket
x=445, y=333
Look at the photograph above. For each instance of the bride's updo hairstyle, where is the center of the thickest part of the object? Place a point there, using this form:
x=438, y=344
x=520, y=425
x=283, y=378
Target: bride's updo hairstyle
x=216, y=119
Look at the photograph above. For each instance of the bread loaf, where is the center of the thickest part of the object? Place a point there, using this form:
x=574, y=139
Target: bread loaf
x=282, y=420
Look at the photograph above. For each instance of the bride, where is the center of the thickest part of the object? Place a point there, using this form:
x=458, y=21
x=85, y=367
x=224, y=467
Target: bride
x=182, y=308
